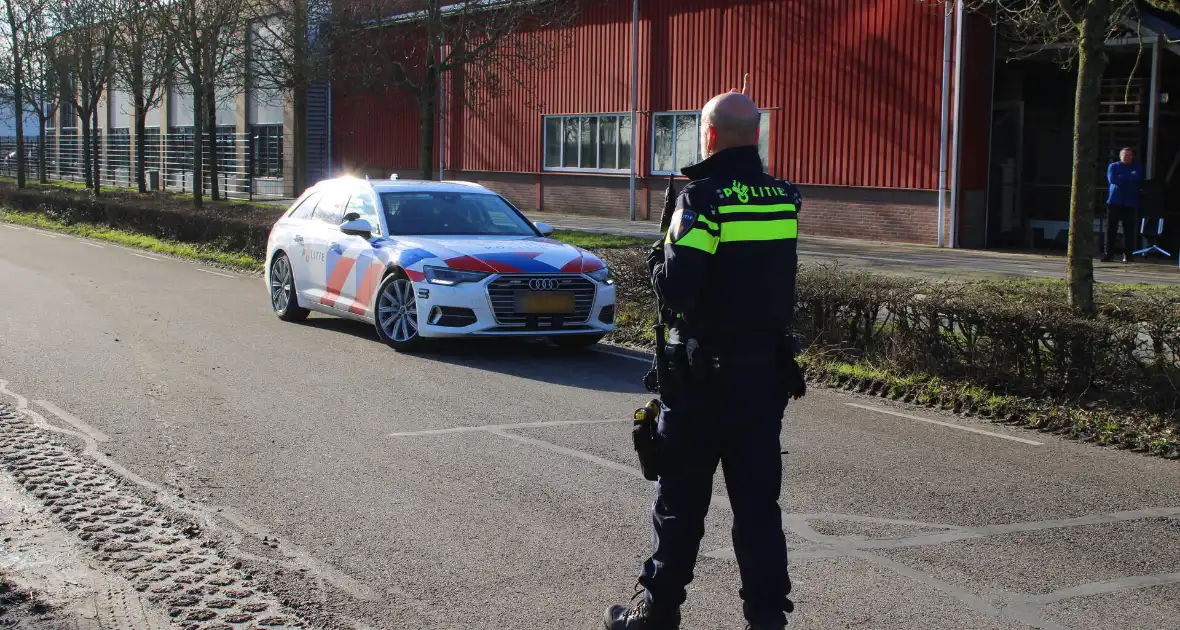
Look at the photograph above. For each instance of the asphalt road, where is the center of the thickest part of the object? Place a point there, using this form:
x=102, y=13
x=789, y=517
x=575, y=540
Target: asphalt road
x=406, y=493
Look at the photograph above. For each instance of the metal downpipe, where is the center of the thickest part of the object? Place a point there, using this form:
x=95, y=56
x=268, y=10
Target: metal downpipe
x=942, y=141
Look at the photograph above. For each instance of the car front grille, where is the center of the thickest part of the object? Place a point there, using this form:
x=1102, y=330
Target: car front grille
x=503, y=291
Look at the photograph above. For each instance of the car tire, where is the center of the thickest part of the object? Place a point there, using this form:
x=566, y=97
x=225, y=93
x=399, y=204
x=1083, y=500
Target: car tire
x=395, y=313
x=283, y=296
x=575, y=342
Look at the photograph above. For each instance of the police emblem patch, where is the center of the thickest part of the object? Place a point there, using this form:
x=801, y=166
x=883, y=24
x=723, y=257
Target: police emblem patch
x=682, y=221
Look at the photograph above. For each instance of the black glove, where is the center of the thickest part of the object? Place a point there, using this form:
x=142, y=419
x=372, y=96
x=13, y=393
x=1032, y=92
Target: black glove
x=796, y=382
x=655, y=256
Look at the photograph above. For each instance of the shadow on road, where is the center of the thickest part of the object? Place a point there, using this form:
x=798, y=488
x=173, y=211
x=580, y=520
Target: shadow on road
x=344, y=326
x=536, y=360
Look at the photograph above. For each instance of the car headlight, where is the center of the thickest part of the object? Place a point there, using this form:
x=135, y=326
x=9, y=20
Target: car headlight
x=450, y=277
x=601, y=275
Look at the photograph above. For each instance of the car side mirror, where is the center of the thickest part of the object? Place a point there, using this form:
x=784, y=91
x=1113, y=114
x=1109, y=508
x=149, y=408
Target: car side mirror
x=357, y=227
x=544, y=228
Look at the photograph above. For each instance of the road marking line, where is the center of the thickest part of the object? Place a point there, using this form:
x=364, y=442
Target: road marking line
x=634, y=472
x=147, y=257
x=1109, y=586
x=223, y=275
x=947, y=424
x=498, y=427
x=91, y=244
x=716, y=501
x=623, y=355
x=73, y=421
x=13, y=227
x=45, y=234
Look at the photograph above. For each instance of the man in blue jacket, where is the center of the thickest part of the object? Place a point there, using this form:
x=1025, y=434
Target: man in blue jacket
x=1122, y=203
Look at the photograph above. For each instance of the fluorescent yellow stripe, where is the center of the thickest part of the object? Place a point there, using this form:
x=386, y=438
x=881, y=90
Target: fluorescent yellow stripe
x=760, y=230
x=697, y=238
x=708, y=223
x=777, y=207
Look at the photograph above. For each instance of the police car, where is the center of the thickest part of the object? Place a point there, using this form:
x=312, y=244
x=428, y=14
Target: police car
x=424, y=259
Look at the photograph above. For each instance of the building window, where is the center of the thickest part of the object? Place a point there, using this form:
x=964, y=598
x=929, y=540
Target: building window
x=68, y=115
x=676, y=140
x=267, y=150
x=118, y=153
x=227, y=150
x=588, y=143
x=178, y=150
x=151, y=149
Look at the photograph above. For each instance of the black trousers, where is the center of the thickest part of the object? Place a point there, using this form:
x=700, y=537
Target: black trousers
x=735, y=424
x=1129, y=218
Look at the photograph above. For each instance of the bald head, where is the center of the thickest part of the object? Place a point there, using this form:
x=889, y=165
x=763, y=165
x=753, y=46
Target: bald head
x=728, y=120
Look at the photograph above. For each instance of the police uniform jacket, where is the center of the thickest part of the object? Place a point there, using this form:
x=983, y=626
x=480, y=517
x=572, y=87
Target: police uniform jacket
x=730, y=256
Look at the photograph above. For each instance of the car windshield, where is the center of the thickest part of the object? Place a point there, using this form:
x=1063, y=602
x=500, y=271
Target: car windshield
x=435, y=213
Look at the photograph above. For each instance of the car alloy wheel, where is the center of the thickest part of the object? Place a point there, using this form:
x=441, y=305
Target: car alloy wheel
x=397, y=313
x=282, y=290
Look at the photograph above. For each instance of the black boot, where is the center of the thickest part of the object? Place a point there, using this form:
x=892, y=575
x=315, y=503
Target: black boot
x=641, y=616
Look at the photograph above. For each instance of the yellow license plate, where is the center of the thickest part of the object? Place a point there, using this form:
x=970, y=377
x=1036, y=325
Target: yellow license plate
x=542, y=302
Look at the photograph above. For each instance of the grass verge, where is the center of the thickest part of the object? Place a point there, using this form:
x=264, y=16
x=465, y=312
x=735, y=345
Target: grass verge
x=204, y=253
x=1131, y=430
x=592, y=241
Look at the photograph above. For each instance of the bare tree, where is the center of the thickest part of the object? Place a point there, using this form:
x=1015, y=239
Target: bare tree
x=85, y=53
x=40, y=81
x=143, y=65
x=1084, y=26
x=287, y=58
x=18, y=14
x=208, y=41
x=489, y=48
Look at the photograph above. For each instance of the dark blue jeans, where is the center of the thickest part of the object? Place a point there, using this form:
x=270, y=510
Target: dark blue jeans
x=1129, y=218
x=736, y=426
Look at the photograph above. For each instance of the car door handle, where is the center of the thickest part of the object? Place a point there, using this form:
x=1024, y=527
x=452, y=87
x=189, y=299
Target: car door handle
x=298, y=239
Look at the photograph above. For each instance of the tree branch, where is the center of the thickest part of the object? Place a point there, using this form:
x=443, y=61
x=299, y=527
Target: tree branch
x=1070, y=11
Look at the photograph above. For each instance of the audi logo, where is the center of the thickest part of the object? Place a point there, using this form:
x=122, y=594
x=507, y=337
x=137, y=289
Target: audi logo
x=544, y=284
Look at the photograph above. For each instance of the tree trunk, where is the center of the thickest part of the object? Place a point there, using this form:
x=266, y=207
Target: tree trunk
x=198, y=163
x=18, y=108
x=299, y=102
x=18, y=104
x=87, y=172
x=211, y=132
x=42, y=175
x=1091, y=64
x=426, y=120
x=140, y=149
x=95, y=147
x=299, y=140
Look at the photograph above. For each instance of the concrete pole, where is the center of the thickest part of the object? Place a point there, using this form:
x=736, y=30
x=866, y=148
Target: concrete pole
x=634, y=100
x=943, y=137
x=957, y=133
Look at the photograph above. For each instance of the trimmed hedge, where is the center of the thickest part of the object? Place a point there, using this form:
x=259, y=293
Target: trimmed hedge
x=235, y=227
x=1010, y=338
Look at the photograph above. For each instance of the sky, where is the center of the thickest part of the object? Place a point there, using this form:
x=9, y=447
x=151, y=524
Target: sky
x=8, y=123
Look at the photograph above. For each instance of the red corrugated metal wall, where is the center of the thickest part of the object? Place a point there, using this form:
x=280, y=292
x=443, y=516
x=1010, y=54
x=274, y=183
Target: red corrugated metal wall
x=854, y=91
x=594, y=76
x=374, y=132
x=375, y=128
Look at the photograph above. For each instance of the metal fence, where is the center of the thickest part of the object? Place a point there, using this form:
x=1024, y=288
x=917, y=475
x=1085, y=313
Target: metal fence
x=249, y=165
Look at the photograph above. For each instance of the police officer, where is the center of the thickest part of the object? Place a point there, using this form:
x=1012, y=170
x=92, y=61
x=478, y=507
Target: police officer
x=727, y=270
